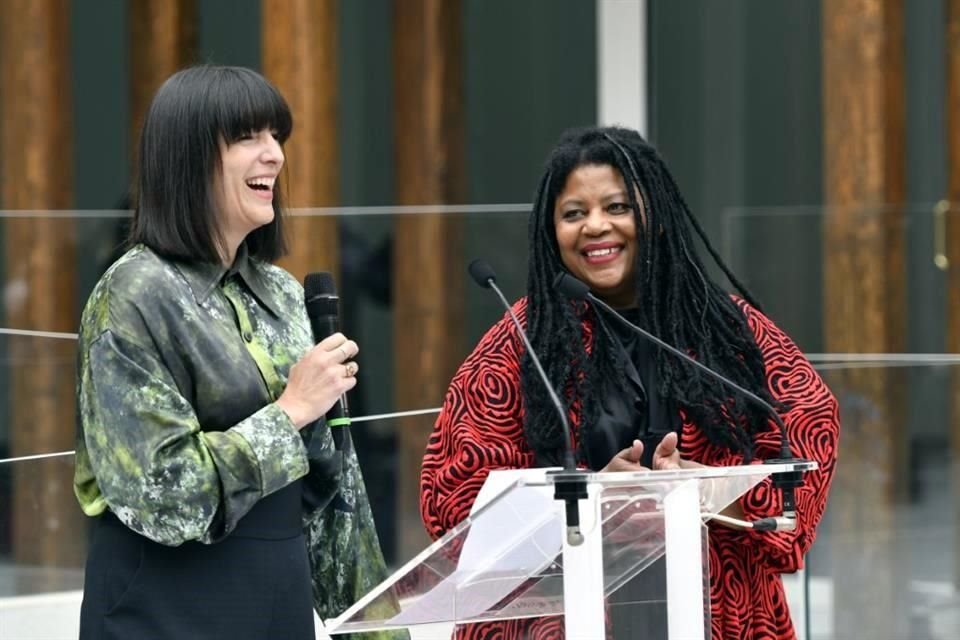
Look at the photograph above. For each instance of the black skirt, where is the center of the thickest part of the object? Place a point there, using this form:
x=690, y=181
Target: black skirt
x=253, y=585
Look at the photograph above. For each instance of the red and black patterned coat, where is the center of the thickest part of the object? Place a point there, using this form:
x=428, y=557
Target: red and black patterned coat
x=480, y=429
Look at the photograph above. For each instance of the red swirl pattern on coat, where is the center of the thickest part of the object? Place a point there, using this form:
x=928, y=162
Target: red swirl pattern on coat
x=481, y=428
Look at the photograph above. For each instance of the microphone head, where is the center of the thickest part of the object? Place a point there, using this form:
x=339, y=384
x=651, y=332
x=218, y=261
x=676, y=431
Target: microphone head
x=319, y=283
x=570, y=286
x=482, y=273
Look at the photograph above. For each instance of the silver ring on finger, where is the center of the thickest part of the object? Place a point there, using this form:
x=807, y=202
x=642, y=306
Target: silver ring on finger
x=343, y=353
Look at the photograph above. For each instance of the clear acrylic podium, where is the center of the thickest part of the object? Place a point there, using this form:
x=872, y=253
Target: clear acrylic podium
x=511, y=557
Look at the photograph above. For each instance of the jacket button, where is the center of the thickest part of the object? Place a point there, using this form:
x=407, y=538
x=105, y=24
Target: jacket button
x=248, y=336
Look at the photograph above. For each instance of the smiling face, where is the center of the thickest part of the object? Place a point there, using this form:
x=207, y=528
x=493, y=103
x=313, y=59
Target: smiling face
x=244, y=188
x=596, y=232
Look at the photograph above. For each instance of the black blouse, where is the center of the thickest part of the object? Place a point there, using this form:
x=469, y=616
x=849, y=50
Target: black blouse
x=640, y=412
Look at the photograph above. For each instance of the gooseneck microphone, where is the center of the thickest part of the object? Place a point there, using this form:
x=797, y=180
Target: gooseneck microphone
x=570, y=485
x=320, y=296
x=786, y=481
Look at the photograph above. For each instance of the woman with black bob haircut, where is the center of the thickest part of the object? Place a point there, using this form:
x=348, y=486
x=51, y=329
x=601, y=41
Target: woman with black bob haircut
x=221, y=508
x=180, y=158
x=608, y=212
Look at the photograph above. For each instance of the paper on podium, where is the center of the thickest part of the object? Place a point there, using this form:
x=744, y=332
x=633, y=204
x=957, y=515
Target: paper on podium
x=487, y=536
x=516, y=537
x=499, y=480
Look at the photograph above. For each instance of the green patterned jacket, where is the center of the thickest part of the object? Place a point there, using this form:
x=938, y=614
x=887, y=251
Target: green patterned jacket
x=178, y=435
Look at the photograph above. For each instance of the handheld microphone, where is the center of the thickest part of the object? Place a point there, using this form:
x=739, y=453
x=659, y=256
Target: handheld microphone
x=786, y=481
x=320, y=296
x=571, y=484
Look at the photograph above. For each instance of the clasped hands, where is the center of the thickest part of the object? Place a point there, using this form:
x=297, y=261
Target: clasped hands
x=665, y=456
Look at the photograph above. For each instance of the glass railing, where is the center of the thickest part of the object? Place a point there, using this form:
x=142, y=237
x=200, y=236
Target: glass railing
x=887, y=558
x=890, y=519
x=43, y=535
x=888, y=533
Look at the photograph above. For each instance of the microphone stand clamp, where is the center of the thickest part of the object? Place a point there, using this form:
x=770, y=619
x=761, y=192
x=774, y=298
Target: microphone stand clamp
x=570, y=485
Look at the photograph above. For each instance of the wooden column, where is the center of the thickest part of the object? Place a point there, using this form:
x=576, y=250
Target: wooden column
x=300, y=58
x=40, y=262
x=163, y=40
x=429, y=269
x=953, y=240
x=864, y=183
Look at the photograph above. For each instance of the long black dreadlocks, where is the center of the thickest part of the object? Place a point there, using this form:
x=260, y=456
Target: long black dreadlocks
x=679, y=302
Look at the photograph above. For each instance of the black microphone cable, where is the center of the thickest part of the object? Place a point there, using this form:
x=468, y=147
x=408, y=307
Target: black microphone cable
x=570, y=485
x=785, y=481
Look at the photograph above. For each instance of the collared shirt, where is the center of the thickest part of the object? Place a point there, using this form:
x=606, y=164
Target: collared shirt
x=636, y=412
x=179, y=365
x=179, y=435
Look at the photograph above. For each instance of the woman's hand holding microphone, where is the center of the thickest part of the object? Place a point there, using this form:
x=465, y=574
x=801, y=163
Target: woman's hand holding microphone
x=317, y=381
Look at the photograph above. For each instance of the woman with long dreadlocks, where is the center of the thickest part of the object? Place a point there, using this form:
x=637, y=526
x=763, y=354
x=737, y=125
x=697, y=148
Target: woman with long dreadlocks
x=608, y=212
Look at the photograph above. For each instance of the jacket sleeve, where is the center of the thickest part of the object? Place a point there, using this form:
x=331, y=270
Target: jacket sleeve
x=155, y=468
x=811, y=417
x=480, y=428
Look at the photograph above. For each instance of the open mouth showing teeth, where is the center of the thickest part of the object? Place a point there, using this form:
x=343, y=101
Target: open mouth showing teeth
x=261, y=184
x=596, y=253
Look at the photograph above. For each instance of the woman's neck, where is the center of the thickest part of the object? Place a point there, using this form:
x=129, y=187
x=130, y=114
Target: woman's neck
x=228, y=252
